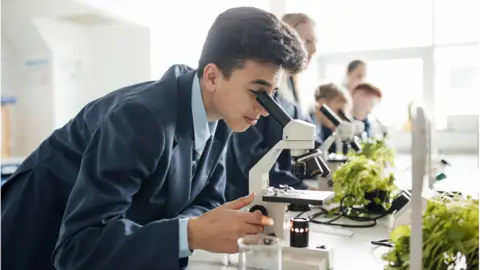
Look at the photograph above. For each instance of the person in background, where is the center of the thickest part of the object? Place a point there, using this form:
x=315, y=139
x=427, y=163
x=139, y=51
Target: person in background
x=305, y=27
x=137, y=179
x=337, y=98
x=247, y=148
x=356, y=73
x=365, y=97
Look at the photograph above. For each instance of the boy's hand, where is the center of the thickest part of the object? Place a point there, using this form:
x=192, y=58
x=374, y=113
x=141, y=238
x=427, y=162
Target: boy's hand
x=219, y=229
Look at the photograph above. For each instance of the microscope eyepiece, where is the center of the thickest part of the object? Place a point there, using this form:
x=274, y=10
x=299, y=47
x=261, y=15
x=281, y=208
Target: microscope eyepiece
x=333, y=117
x=336, y=120
x=272, y=107
x=346, y=116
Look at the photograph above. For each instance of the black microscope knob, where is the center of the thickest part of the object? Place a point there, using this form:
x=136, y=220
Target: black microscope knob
x=260, y=208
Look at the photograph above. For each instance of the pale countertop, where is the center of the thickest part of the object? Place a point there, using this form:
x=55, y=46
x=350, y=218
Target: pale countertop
x=349, y=252
x=356, y=251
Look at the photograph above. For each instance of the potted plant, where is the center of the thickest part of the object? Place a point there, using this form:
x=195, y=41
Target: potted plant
x=363, y=183
x=377, y=150
x=450, y=233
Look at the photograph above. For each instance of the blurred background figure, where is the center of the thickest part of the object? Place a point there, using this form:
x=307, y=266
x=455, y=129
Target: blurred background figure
x=337, y=98
x=356, y=73
x=365, y=98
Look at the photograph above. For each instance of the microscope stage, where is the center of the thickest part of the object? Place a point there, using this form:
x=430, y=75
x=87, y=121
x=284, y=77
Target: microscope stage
x=312, y=197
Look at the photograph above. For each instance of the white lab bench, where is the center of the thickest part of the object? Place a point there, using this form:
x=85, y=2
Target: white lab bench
x=350, y=252
x=356, y=251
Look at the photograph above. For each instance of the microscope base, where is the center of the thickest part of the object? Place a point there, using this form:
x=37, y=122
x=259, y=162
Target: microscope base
x=298, y=258
x=307, y=258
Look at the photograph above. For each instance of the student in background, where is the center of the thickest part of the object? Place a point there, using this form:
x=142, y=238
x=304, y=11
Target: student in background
x=247, y=148
x=290, y=88
x=338, y=99
x=365, y=97
x=356, y=73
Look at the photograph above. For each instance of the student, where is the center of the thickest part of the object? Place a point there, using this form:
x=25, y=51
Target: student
x=356, y=73
x=365, y=97
x=127, y=183
x=247, y=148
x=336, y=98
x=290, y=88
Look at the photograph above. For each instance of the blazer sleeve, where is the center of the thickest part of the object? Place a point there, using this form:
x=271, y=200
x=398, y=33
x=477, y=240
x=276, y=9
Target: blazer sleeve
x=213, y=195
x=250, y=146
x=95, y=233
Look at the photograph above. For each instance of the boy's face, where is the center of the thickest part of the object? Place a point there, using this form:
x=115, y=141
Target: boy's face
x=232, y=98
x=337, y=105
x=363, y=103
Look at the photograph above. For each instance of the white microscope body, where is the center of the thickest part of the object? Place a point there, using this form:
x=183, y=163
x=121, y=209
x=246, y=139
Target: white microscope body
x=346, y=131
x=299, y=138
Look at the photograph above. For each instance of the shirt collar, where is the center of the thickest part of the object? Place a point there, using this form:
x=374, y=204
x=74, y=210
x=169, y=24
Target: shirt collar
x=202, y=128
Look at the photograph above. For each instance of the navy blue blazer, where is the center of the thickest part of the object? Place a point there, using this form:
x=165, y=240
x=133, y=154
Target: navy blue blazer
x=106, y=190
x=247, y=148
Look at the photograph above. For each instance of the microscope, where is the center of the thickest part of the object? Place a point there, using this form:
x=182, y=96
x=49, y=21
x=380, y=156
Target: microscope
x=298, y=137
x=346, y=132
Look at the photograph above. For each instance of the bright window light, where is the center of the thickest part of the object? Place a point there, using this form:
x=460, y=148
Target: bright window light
x=456, y=21
x=397, y=92
x=352, y=25
x=179, y=38
x=457, y=82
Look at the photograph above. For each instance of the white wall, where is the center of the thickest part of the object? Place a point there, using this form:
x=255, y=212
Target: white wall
x=30, y=81
x=59, y=66
x=8, y=67
x=90, y=62
x=70, y=46
x=120, y=57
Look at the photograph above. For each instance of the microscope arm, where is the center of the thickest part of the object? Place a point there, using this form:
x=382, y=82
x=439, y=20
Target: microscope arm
x=344, y=129
x=298, y=137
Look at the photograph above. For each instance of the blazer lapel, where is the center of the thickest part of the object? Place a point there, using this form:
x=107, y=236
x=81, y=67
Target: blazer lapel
x=180, y=170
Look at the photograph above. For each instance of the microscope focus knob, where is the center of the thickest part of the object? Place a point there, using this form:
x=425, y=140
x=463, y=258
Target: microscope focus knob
x=260, y=208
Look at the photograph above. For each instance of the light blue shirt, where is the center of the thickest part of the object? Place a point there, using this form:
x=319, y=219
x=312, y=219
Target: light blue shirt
x=203, y=131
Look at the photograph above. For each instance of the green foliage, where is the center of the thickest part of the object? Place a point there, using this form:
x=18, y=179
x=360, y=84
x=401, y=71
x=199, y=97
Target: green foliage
x=450, y=232
x=359, y=176
x=377, y=150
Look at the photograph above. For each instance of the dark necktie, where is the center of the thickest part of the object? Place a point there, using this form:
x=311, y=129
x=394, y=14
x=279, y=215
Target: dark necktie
x=195, y=159
x=196, y=156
